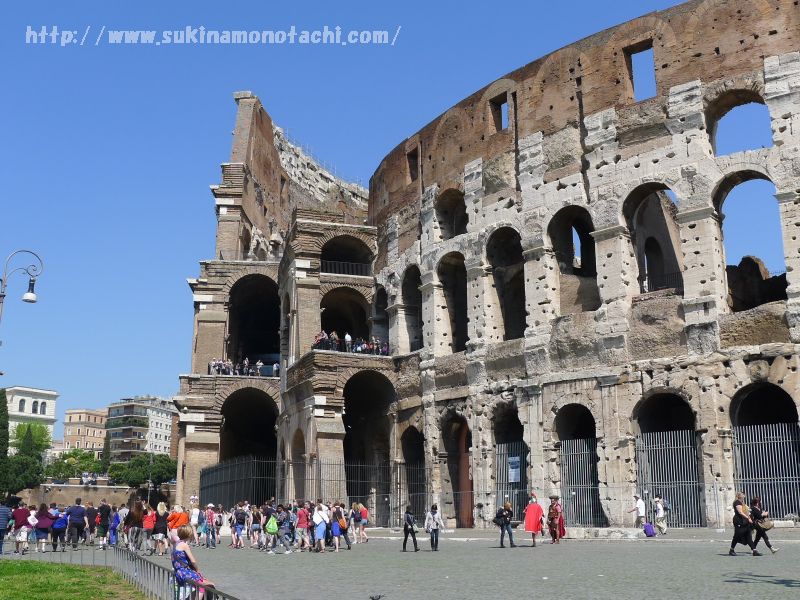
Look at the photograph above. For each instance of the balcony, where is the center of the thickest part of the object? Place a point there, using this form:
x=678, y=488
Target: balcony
x=127, y=421
x=667, y=281
x=338, y=267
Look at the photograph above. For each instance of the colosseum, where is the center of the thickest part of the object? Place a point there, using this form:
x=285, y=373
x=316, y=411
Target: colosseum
x=533, y=295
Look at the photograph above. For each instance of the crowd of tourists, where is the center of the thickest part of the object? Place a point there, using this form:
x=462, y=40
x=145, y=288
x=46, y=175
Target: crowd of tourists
x=245, y=368
x=359, y=345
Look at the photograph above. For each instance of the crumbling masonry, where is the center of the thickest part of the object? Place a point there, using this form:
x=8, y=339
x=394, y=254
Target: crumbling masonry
x=546, y=261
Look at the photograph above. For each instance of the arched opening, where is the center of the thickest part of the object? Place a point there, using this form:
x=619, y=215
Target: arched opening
x=35, y=407
x=21, y=406
x=649, y=214
x=457, y=474
x=511, y=459
x=755, y=265
x=254, y=321
x=43, y=408
x=380, y=320
x=345, y=311
x=416, y=475
x=737, y=121
x=453, y=279
x=367, y=396
x=577, y=456
x=451, y=214
x=412, y=309
x=346, y=255
x=298, y=470
x=244, y=252
x=570, y=233
x=668, y=457
x=504, y=253
x=248, y=425
x=766, y=440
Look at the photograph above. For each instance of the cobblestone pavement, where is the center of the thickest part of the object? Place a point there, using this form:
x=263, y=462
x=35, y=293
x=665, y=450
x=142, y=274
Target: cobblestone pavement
x=472, y=565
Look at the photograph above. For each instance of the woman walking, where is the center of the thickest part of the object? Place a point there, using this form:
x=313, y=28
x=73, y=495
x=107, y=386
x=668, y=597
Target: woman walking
x=362, y=532
x=44, y=522
x=433, y=522
x=160, y=529
x=148, y=525
x=133, y=520
x=534, y=516
x=555, y=520
x=320, y=526
x=355, y=522
x=742, y=524
x=503, y=520
x=58, y=532
x=758, y=514
x=409, y=528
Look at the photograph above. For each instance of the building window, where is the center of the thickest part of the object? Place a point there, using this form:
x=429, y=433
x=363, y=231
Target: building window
x=641, y=70
x=499, y=108
x=43, y=408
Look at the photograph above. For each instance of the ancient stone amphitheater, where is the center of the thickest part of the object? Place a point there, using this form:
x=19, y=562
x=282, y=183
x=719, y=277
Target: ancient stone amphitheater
x=546, y=262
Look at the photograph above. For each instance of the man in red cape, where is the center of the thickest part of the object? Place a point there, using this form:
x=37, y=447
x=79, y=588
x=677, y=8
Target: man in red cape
x=533, y=517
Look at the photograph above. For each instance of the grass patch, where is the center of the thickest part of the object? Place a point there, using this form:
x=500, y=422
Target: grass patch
x=23, y=580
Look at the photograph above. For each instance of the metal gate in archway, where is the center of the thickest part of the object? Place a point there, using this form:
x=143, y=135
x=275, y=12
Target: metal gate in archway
x=580, y=487
x=667, y=464
x=511, y=473
x=767, y=463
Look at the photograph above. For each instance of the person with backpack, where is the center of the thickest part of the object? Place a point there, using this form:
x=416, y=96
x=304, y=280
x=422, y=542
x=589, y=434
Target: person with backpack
x=355, y=521
x=255, y=528
x=660, y=506
x=211, y=526
x=58, y=531
x=503, y=520
x=103, y=514
x=160, y=529
x=410, y=528
x=284, y=522
x=78, y=522
x=239, y=523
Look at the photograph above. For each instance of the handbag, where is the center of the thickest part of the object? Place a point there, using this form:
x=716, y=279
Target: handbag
x=415, y=528
x=766, y=524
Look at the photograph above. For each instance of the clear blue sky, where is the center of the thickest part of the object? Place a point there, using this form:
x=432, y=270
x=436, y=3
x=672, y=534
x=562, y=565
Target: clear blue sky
x=108, y=153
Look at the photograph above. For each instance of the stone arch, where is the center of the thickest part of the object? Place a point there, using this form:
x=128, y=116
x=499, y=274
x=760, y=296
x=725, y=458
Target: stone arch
x=345, y=310
x=270, y=387
x=577, y=280
x=254, y=320
x=456, y=473
x=245, y=271
x=650, y=216
x=573, y=422
x=451, y=213
x=728, y=97
x=450, y=126
x=345, y=375
x=661, y=410
x=452, y=276
x=248, y=428
x=507, y=294
x=411, y=297
x=511, y=456
x=318, y=243
x=346, y=248
x=415, y=473
x=762, y=403
x=498, y=92
x=298, y=459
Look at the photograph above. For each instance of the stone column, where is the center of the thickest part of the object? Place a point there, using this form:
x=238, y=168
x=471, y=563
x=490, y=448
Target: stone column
x=196, y=451
x=541, y=304
x=789, y=205
x=307, y=316
x=705, y=289
x=328, y=461
x=437, y=330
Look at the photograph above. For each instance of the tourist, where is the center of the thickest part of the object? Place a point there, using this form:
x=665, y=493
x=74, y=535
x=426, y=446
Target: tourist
x=362, y=530
x=276, y=369
x=77, y=524
x=148, y=525
x=104, y=514
x=301, y=528
x=255, y=528
x=184, y=564
x=534, y=516
x=344, y=525
x=21, y=529
x=338, y=525
x=238, y=526
x=758, y=515
x=44, y=521
x=113, y=526
x=6, y=515
x=640, y=510
x=555, y=520
x=742, y=525
x=348, y=342
x=320, y=525
x=409, y=528
x=58, y=531
x=211, y=526
x=122, y=513
x=178, y=518
x=333, y=338
x=134, y=523
x=503, y=520
x=433, y=523
x=355, y=521
x=91, y=517
x=194, y=520
x=160, y=529
x=661, y=514
x=284, y=535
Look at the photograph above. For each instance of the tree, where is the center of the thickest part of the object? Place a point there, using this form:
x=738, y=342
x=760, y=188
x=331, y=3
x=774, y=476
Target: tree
x=3, y=424
x=20, y=472
x=31, y=438
x=105, y=457
x=138, y=470
x=73, y=464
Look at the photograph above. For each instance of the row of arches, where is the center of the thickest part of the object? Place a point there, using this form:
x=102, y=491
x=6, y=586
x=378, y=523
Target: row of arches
x=37, y=408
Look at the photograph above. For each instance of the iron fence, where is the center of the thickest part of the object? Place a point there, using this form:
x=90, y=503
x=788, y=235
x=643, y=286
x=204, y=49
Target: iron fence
x=511, y=472
x=665, y=281
x=667, y=463
x=339, y=267
x=580, y=491
x=767, y=461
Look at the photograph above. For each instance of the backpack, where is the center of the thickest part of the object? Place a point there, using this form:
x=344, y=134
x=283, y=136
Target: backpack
x=97, y=519
x=272, y=525
x=499, y=518
x=648, y=530
x=667, y=506
x=241, y=517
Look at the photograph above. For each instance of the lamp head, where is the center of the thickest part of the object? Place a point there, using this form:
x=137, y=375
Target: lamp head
x=30, y=295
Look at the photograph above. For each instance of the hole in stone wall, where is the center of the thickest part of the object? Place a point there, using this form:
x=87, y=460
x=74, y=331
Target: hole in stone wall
x=413, y=164
x=504, y=253
x=499, y=109
x=738, y=120
x=640, y=61
x=451, y=214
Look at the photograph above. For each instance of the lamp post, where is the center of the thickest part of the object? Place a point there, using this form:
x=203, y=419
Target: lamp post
x=32, y=271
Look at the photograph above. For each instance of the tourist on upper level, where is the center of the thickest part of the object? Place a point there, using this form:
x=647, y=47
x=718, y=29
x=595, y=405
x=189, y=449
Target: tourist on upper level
x=333, y=338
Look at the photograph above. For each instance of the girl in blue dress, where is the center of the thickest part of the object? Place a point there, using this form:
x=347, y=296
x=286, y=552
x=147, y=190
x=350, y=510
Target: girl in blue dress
x=185, y=565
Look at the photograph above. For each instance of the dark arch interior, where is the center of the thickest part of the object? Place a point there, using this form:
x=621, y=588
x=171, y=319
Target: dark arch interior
x=413, y=444
x=248, y=428
x=254, y=313
x=575, y=422
x=504, y=252
x=412, y=299
x=457, y=442
x=343, y=311
x=367, y=396
x=345, y=248
x=380, y=319
x=665, y=412
x=560, y=231
x=453, y=277
x=451, y=213
x=764, y=404
x=507, y=426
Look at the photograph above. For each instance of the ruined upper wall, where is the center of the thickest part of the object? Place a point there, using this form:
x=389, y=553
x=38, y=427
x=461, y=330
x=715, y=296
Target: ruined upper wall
x=709, y=40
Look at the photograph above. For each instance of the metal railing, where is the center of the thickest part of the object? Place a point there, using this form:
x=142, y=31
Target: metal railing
x=154, y=581
x=666, y=281
x=339, y=267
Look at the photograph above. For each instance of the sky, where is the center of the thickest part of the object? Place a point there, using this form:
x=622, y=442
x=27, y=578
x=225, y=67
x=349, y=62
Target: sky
x=108, y=152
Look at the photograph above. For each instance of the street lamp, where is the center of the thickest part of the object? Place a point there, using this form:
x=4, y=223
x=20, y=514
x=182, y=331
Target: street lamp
x=32, y=271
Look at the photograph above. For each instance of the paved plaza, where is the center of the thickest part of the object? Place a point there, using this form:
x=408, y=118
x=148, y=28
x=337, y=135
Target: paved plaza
x=469, y=564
